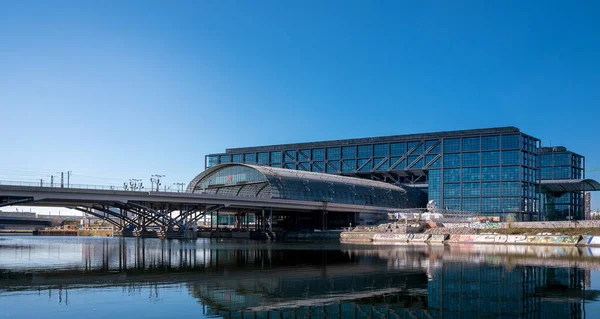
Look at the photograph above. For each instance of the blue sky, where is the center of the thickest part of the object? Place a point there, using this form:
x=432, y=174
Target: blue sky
x=113, y=90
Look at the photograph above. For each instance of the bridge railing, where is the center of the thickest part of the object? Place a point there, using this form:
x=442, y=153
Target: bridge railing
x=57, y=185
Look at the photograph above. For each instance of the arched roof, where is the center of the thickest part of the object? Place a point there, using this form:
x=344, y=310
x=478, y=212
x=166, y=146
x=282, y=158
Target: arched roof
x=268, y=182
x=570, y=185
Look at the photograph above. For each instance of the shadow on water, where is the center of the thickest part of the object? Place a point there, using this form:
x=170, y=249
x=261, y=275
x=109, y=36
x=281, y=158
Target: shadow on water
x=280, y=280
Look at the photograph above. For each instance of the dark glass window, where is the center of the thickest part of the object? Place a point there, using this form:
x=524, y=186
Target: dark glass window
x=511, y=188
x=380, y=149
x=452, y=190
x=510, y=157
x=452, y=203
x=224, y=159
x=436, y=163
x=470, y=159
x=394, y=161
x=238, y=158
x=470, y=144
x=275, y=157
x=348, y=165
x=263, y=158
x=365, y=151
x=212, y=160
x=562, y=159
x=318, y=154
x=333, y=153
x=451, y=160
x=349, y=152
x=429, y=158
x=333, y=166
x=470, y=174
x=429, y=144
x=471, y=189
x=490, y=173
x=417, y=164
x=303, y=166
x=510, y=173
x=318, y=167
x=490, y=189
x=250, y=158
x=546, y=172
x=364, y=165
x=452, y=145
x=278, y=165
x=304, y=155
x=490, y=204
x=411, y=159
x=381, y=164
x=490, y=158
x=289, y=156
x=510, y=141
x=289, y=165
x=452, y=175
x=398, y=148
x=490, y=143
x=547, y=160
x=471, y=204
x=562, y=172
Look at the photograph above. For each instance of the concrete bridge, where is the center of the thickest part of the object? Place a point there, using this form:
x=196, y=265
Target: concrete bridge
x=177, y=214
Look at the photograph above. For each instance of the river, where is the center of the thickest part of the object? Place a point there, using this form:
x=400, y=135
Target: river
x=75, y=277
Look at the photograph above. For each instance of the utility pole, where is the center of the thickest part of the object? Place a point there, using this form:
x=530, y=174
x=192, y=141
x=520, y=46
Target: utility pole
x=62, y=179
x=156, y=179
x=69, y=179
x=51, y=180
x=135, y=184
x=179, y=187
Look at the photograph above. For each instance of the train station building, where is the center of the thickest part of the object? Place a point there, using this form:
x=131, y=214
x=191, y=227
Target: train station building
x=490, y=172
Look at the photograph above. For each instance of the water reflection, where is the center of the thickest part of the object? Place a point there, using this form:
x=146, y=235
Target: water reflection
x=276, y=280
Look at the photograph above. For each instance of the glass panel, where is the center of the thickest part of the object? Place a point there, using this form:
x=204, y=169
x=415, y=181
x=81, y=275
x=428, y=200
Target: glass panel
x=547, y=160
x=318, y=166
x=238, y=158
x=224, y=159
x=511, y=188
x=470, y=159
x=490, y=173
x=318, y=154
x=510, y=141
x=250, y=158
x=452, y=145
x=510, y=172
x=398, y=148
x=303, y=166
x=452, y=203
x=490, y=143
x=452, y=175
x=471, y=189
x=470, y=174
x=470, y=144
x=304, y=155
x=275, y=157
x=384, y=165
x=411, y=159
x=510, y=157
x=471, y=204
x=418, y=164
x=263, y=158
x=365, y=151
x=429, y=144
x=349, y=152
x=396, y=163
x=452, y=190
x=333, y=153
x=368, y=165
x=490, y=189
x=348, y=166
x=212, y=160
x=490, y=158
x=232, y=175
x=380, y=149
x=562, y=159
x=289, y=166
x=437, y=163
x=333, y=166
x=289, y=156
x=451, y=160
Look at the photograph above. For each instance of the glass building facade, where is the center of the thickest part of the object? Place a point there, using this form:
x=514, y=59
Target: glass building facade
x=558, y=163
x=494, y=172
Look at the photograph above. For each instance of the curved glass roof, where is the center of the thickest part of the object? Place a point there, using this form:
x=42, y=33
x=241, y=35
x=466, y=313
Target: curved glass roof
x=267, y=182
x=570, y=185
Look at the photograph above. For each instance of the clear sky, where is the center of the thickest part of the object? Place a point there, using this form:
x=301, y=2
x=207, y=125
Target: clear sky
x=113, y=90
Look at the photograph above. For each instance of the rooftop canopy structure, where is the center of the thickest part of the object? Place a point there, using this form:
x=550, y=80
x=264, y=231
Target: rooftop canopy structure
x=561, y=186
x=267, y=182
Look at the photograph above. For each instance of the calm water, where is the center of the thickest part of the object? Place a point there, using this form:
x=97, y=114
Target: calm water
x=54, y=277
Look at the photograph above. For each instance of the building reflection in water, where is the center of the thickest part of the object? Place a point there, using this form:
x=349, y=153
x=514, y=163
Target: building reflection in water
x=251, y=280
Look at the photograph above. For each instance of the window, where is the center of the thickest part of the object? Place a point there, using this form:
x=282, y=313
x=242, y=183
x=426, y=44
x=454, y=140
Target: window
x=333, y=153
x=238, y=158
x=380, y=163
x=333, y=166
x=318, y=166
x=562, y=159
x=470, y=144
x=452, y=190
x=452, y=145
x=510, y=141
x=318, y=154
x=263, y=158
x=547, y=160
x=429, y=144
x=304, y=155
x=470, y=159
x=250, y=158
x=417, y=164
x=398, y=148
x=451, y=160
x=380, y=150
x=546, y=172
x=490, y=158
x=490, y=143
x=349, y=152
x=348, y=165
x=470, y=174
x=562, y=172
x=490, y=189
x=452, y=175
x=418, y=150
x=510, y=157
x=289, y=156
x=365, y=151
x=275, y=157
x=212, y=160
x=510, y=172
x=364, y=165
x=411, y=159
x=470, y=204
x=490, y=173
x=490, y=204
x=471, y=189
x=224, y=159
x=429, y=158
x=511, y=189
x=452, y=203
